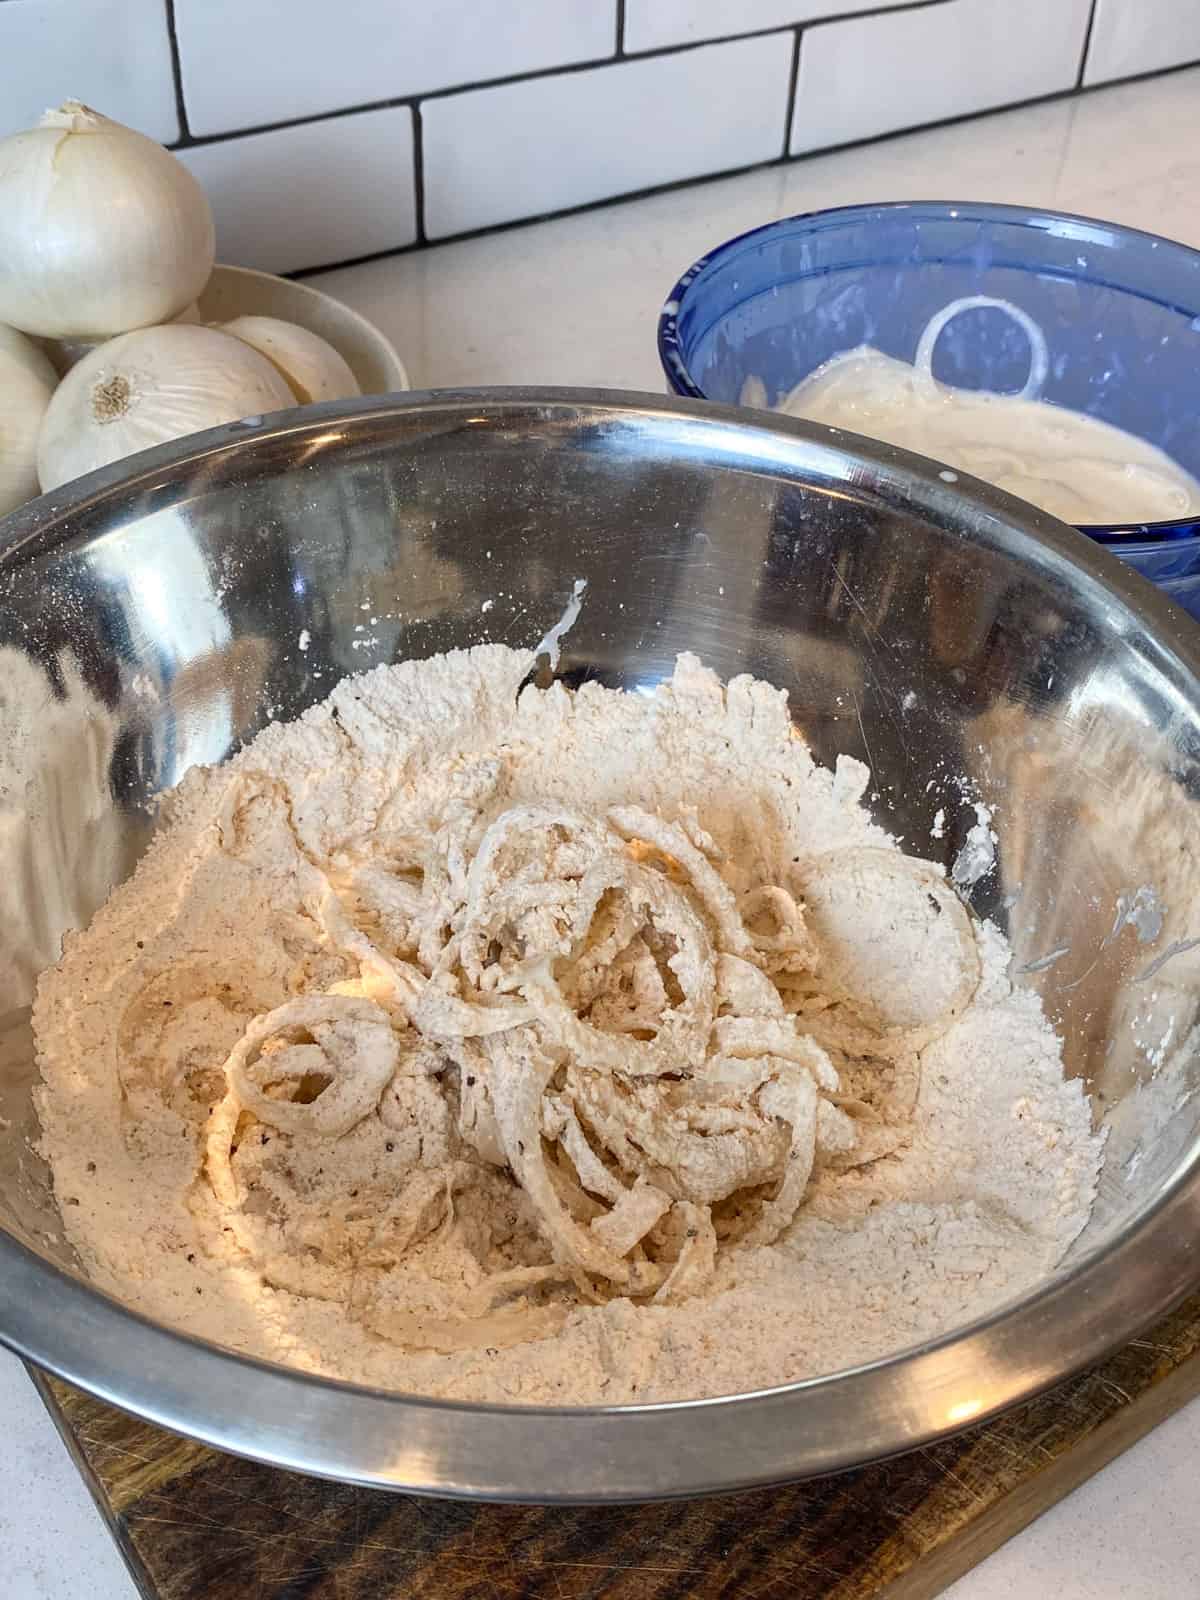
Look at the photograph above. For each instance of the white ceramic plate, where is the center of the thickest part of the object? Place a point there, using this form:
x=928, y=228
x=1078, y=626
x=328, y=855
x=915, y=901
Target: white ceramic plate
x=242, y=292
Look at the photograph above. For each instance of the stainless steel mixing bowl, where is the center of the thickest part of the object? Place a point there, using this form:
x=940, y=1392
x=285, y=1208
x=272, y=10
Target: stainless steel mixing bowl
x=970, y=649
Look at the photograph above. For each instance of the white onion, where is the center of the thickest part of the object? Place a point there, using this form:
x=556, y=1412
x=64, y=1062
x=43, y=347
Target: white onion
x=149, y=386
x=65, y=353
x=101, y=229
x=313, y=368
x=26, y=383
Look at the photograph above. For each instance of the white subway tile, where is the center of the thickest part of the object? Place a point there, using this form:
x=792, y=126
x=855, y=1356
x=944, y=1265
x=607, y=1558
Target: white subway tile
x=1130, y=36
x=313, y=194
x=114, y=55
x=259, y=61
x=652, y=24
x=876, y=74
x=494, y=155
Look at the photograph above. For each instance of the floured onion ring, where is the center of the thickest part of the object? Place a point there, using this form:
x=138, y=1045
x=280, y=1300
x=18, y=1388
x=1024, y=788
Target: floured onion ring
x=868, y=910
x=681, y=1039
x=340, y=1051
x=161, y=1057
x=385, y=978
x=517, y=1092
x=632, y=823
x=584, y=1008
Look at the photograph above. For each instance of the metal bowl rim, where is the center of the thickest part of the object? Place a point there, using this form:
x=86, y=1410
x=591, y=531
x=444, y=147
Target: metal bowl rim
x=387, y=1439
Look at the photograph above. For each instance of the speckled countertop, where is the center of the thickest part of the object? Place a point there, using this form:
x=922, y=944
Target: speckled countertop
x=574, y=302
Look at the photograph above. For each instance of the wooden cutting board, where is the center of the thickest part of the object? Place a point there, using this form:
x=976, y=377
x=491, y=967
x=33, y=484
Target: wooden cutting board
x=197, y=1525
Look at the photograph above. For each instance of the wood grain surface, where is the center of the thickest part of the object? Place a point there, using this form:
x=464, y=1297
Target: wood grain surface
x=198, y=1525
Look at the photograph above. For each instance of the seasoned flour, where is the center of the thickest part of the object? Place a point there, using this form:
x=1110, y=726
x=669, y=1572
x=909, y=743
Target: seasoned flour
x=569, y=1048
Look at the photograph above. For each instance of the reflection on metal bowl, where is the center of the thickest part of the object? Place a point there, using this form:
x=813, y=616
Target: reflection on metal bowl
x=972, y=651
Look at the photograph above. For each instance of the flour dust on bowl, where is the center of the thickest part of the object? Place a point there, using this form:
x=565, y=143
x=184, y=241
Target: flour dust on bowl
x=1094, y=326
x=982, y=673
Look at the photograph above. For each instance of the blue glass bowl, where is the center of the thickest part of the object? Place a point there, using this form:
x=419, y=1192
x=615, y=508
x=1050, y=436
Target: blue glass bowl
x=1120, y=311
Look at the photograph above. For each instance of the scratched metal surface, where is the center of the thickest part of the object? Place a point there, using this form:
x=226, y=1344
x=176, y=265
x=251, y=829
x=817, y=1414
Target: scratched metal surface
x=197, y=1525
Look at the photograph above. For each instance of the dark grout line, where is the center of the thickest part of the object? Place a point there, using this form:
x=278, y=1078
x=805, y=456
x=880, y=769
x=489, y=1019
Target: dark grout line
x=681, y=184
x=620, y=49
x=793, y=80
x=996, y=111
x=545, y=72
x=399, y=251
x=412, y=100
x=852, y=15
x=872, y=11
x=1087, y=45
x=200, y=141
x=177, y=73
x=931, y=127
x=419, y=174
x=493, y=228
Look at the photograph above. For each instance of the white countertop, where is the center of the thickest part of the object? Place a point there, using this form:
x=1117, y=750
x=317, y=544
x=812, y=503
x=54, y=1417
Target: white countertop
x=575, y=302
